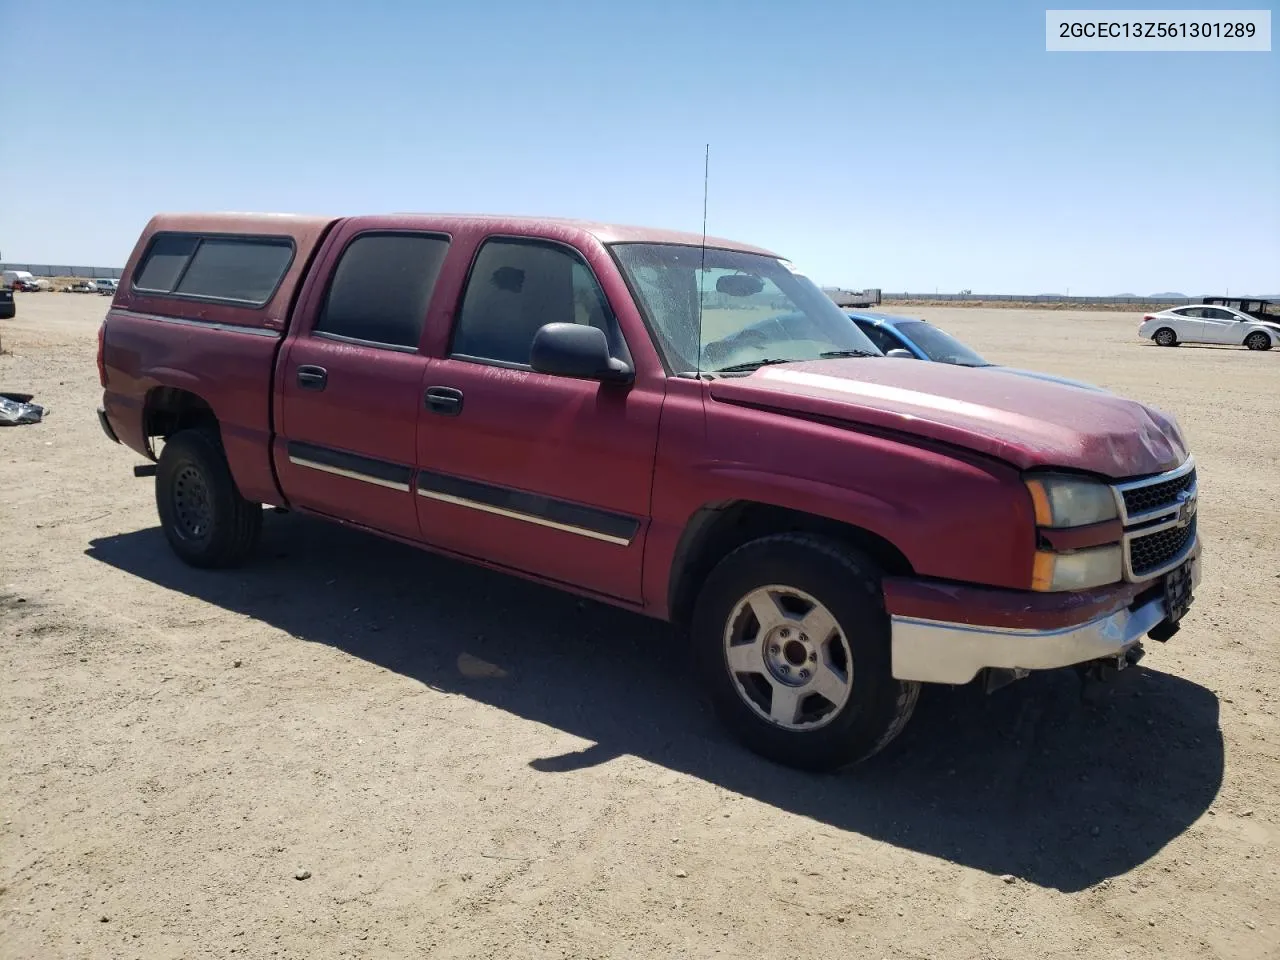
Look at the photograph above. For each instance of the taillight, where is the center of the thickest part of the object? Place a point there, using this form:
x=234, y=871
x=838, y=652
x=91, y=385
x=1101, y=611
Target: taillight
x=102, y=360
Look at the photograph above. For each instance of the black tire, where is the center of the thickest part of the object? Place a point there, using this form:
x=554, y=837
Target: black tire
x=1258, y=341
x=1165, y=337
x=206, y=521
x=847, y=584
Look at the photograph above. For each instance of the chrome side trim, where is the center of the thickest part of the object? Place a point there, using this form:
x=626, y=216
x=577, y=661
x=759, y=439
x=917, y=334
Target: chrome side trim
x=203, y=324
x=932, y=651
x=349, y=474
x=526, y=517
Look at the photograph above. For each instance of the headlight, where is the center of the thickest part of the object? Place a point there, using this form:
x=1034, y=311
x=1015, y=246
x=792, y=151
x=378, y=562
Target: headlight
x=1078, y=570
x=1062, y=501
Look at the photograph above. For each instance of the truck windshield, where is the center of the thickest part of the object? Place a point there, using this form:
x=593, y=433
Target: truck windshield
x=940, y=345
x=755, y=309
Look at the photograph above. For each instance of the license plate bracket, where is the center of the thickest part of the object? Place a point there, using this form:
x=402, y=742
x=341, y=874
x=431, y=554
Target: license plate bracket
x=1177, y=592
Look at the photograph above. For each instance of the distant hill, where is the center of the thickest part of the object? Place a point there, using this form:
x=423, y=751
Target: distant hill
x=1169, y=296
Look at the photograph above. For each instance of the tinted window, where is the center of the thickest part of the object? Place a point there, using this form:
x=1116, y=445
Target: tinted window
x=1194, y=313
x=883, y=339
x=938, y=345
x=382, y=287
x=236, y=269
x=517, y=287
x=1216, y=313
x=245, y=270
x=163, y=263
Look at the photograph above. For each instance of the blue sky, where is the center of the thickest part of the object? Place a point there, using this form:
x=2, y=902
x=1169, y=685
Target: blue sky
x=901, y=145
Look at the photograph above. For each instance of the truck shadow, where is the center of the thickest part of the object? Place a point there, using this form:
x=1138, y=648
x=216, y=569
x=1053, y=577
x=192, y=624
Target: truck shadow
x=1028, y=781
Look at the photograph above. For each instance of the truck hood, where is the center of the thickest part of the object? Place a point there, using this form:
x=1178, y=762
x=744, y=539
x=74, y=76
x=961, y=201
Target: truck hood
x=1025, y=421
x=1040, y=375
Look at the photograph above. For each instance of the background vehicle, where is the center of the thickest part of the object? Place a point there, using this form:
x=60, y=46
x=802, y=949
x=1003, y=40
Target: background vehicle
x=921, y=340
x=1259, y=309
x=83, y=286
x=868, y=297
x=689, y=430
x=19, y=280
x=1209, y=324
x=107, y=287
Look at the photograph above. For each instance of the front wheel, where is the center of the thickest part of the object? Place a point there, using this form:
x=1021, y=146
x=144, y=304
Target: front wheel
x=1258, y=341
x=204, y=518
x=793, y=643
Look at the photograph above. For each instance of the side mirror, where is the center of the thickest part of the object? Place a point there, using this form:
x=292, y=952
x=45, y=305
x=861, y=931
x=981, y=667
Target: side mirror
x=576, y=350
x=902, y=353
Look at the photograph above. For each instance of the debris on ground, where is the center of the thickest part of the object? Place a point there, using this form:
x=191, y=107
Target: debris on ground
x=17, y=408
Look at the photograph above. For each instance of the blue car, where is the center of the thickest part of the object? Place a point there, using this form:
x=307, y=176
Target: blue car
x=917, y=339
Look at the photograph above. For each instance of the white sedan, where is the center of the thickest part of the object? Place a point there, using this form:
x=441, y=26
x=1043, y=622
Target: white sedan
x=1204, y=324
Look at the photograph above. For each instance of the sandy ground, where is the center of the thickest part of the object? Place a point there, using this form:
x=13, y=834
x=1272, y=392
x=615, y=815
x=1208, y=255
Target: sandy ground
x=470, y=766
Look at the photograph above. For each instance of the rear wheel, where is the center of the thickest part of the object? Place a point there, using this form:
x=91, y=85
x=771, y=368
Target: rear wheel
x=1258, y=341
x=793, y=642
x=1165, y=337
x=204, y=518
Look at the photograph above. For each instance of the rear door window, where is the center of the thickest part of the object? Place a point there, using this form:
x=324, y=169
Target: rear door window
x=381, y=289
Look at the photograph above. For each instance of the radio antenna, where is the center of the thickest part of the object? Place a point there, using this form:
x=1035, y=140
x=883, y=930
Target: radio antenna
x=702, y=274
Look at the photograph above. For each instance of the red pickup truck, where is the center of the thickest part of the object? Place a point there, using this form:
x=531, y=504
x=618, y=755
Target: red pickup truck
x=687, y=429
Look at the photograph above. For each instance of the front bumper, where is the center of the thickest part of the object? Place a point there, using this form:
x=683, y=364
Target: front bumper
x=942, y=651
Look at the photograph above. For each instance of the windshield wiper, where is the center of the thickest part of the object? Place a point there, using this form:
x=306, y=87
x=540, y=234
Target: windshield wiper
x=753, y=365
x=836, y=354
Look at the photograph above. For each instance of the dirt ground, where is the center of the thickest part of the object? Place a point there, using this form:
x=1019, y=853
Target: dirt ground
x=465, y=765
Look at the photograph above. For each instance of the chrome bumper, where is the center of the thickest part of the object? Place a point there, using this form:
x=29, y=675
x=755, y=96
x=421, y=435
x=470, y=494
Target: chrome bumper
x=932, y=651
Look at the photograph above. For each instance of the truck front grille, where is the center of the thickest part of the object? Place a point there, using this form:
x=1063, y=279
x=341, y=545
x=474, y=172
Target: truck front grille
x=1140, y=500
x=1154, y=552
x=1159, y=516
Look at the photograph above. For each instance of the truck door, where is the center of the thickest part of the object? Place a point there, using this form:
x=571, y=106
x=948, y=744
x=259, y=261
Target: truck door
x=545, y=474
x=349, y=380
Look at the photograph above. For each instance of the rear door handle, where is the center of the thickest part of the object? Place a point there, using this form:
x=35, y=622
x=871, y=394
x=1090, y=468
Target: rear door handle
x=312, y=378
x=445, y=401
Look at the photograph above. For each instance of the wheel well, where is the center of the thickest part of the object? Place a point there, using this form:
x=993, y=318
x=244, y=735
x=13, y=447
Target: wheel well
x=715, y=531
x=170, y=409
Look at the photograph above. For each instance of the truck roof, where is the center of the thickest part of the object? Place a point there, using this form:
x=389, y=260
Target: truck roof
x=289, y=222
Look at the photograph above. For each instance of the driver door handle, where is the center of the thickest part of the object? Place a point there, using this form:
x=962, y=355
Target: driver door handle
x=312, y=377
x=445, y=401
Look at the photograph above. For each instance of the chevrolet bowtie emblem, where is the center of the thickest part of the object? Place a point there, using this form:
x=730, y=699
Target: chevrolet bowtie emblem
x=1186, y=508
